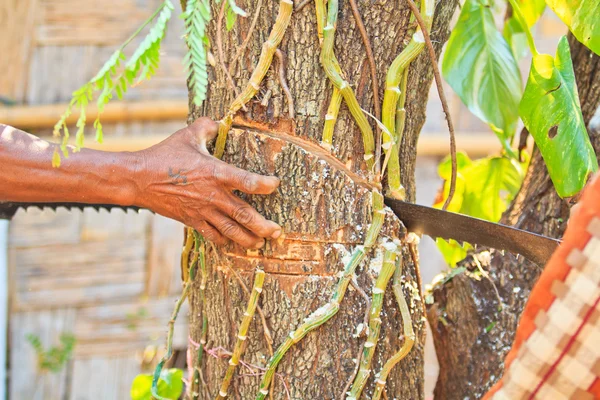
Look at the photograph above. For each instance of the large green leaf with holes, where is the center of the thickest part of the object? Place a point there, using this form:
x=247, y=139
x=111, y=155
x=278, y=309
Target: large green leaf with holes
x=583, y=19
x=551, y=112
x=480, y=67
x=513, y=32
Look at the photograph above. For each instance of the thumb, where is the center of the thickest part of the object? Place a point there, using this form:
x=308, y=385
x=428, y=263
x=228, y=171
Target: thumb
x=201, y=131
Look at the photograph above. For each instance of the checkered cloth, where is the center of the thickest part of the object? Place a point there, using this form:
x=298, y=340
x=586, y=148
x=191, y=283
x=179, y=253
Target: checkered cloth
x=556, y=352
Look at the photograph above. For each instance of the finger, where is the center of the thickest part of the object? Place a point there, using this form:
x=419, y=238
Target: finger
x=244, y=214
x=210, y=232
x=202, y=131
x=247, y=182
x=234, y=231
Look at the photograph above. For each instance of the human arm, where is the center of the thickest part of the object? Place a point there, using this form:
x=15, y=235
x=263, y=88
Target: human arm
x=176, y=178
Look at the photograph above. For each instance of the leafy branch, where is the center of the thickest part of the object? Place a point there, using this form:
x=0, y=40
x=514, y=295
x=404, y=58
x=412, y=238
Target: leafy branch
x=196, y=16
x=141, y=65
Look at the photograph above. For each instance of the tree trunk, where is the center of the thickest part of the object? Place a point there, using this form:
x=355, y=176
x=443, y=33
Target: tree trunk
x=323, y=204
x=465, y=309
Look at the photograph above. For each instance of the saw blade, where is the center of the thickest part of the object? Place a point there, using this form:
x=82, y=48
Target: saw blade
x=462, y=228
x=8, y=209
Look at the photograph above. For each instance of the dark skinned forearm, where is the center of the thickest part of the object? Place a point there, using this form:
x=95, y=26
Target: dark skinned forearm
x=87, y=176
x=176, y=178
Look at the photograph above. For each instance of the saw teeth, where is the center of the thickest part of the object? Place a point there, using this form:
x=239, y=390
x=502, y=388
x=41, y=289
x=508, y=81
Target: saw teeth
x=8, y=209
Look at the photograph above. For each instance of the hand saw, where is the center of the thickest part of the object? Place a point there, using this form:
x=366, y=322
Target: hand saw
x=416, y=218
x=462, y=228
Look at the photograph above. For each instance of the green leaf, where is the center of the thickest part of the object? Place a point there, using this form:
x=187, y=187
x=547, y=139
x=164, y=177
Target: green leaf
x=480, y=67
x=170, y=385
x=236, y=9
x=230, y=19
x=484, y=189
x=532, y=10
x=551, y=112
x=452, y=251
x=583, y=19
x=196, y=16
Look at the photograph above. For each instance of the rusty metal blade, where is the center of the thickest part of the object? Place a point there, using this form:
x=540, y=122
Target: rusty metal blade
x=448, y=225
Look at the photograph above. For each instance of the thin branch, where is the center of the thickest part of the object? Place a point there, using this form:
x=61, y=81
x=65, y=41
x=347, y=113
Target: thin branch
x=353, y=374
x=221, y=352
x=283, y=82
x=440, y=89
x=375, y=82
x=241, y=49
x=360, y=291
x=220, y=49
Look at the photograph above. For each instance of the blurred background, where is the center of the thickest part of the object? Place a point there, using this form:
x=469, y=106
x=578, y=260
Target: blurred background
x=107, y=282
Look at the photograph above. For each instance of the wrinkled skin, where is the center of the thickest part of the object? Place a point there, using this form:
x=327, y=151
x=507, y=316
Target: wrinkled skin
x=184, y=182
x=176, y=178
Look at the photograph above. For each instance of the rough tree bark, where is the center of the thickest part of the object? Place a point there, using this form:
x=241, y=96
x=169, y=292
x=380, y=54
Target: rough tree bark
x=471, y=359
x=323, y=203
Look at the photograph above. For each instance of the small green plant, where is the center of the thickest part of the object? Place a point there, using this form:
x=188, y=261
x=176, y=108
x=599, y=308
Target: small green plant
x=54, y=358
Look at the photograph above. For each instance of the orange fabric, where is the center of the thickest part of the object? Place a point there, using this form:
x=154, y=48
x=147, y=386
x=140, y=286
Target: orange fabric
x=541, y=297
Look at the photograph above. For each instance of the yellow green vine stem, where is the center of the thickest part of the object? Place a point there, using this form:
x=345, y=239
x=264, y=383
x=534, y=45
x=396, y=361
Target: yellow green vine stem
x=326, y=312
x=336, y=96
x=321, y=12
x=259, y=278
x=400, y=109
x=409, y=334
x=201, y=260
x=186, y=289
x=331, y=118
x=185, y=253
x=332, y=69
x=387, y=270
x=392, y=96
x=260, y=70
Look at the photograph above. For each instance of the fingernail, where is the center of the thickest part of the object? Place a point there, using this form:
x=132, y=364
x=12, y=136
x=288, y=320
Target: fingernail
x=276, y=234
x=259, y=244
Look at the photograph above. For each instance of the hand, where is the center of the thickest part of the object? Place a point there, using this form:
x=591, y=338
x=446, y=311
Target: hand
x=182, y=181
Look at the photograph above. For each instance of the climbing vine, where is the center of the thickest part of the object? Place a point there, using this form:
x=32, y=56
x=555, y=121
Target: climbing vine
x=121, y=72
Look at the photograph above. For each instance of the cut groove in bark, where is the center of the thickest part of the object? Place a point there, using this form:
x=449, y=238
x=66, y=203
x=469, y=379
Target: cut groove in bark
x=323, y=204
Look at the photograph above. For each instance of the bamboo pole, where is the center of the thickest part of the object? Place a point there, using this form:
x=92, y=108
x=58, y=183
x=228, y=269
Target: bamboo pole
x=45, y=116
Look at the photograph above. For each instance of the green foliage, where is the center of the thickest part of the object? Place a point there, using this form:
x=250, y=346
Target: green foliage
x=141, y=65
x=55, y=358
x=197, y=16
x=583, y=19
x=170, y=385
x=551, y=112
x=484, y=189
x=236, y=9
x=232, y=10
x=480, y=67
x=145, y=59
x=513, y=31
